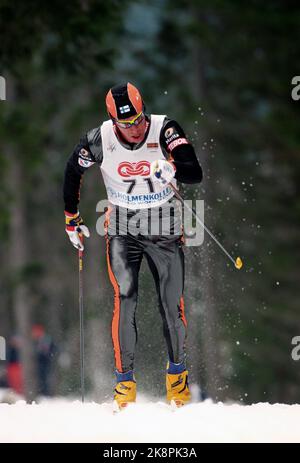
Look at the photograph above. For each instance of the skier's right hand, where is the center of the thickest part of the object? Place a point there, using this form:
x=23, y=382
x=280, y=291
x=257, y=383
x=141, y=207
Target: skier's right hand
x=75, y=226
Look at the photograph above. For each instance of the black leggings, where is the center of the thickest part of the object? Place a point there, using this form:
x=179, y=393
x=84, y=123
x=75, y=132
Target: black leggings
x=166, y=261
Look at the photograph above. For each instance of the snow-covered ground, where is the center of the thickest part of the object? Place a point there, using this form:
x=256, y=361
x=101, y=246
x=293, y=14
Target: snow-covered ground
x=150, y=422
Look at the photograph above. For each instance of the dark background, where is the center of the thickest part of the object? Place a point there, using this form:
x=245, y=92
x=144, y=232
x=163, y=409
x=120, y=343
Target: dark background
x=223, y=70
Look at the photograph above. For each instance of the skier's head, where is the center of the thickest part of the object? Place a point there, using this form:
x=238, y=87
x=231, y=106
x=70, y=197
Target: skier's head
x=126, y=108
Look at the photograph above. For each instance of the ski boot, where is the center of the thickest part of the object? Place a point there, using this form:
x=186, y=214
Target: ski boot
x=125, y=391
x=178, y=393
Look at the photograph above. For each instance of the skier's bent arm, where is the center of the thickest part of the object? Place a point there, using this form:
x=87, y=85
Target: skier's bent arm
x=180, y=152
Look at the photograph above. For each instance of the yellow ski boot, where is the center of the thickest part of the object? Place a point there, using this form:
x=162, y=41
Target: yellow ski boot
x=178, y=393
x=125, y=391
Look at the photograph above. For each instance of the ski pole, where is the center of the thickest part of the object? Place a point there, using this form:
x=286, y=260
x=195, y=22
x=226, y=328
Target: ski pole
x=81, y=326
x=238, y=261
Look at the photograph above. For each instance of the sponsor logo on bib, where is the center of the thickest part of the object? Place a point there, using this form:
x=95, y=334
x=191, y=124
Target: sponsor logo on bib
x=132, y=169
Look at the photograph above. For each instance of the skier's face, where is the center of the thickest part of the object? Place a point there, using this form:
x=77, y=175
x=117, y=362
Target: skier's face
x=133, y=130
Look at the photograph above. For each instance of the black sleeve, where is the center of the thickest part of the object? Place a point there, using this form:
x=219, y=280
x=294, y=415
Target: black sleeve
x=84, y=156
x=178, y=149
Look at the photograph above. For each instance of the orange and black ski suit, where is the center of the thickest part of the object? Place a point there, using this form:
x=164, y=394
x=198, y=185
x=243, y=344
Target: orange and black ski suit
x=163, y=252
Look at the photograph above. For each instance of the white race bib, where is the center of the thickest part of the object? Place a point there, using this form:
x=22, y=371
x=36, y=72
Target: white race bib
x=126, y=173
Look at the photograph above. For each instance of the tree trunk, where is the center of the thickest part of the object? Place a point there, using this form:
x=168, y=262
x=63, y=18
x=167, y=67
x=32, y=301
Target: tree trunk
x=18, y=262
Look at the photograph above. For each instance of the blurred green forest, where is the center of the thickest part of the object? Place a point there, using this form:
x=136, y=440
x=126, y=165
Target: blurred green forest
x=223, y=69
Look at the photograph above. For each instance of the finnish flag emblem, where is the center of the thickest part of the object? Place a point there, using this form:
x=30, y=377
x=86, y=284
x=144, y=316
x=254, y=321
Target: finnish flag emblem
x=124, y=109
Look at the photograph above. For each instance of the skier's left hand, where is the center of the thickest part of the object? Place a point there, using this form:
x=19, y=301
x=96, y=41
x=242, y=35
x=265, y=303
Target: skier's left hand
x=163, y=170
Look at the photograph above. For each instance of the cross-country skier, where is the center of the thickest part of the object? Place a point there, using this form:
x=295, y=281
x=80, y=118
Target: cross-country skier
x=139, y=155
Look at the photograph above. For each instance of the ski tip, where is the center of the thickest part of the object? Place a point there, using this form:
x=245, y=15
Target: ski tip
x=175, y=404
x=116, y=408
x=119, y=407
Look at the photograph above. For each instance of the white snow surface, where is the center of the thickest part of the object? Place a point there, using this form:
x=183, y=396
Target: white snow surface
x=58, y=420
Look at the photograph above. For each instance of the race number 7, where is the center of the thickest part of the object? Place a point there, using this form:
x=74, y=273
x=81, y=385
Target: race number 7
x=132, y=184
